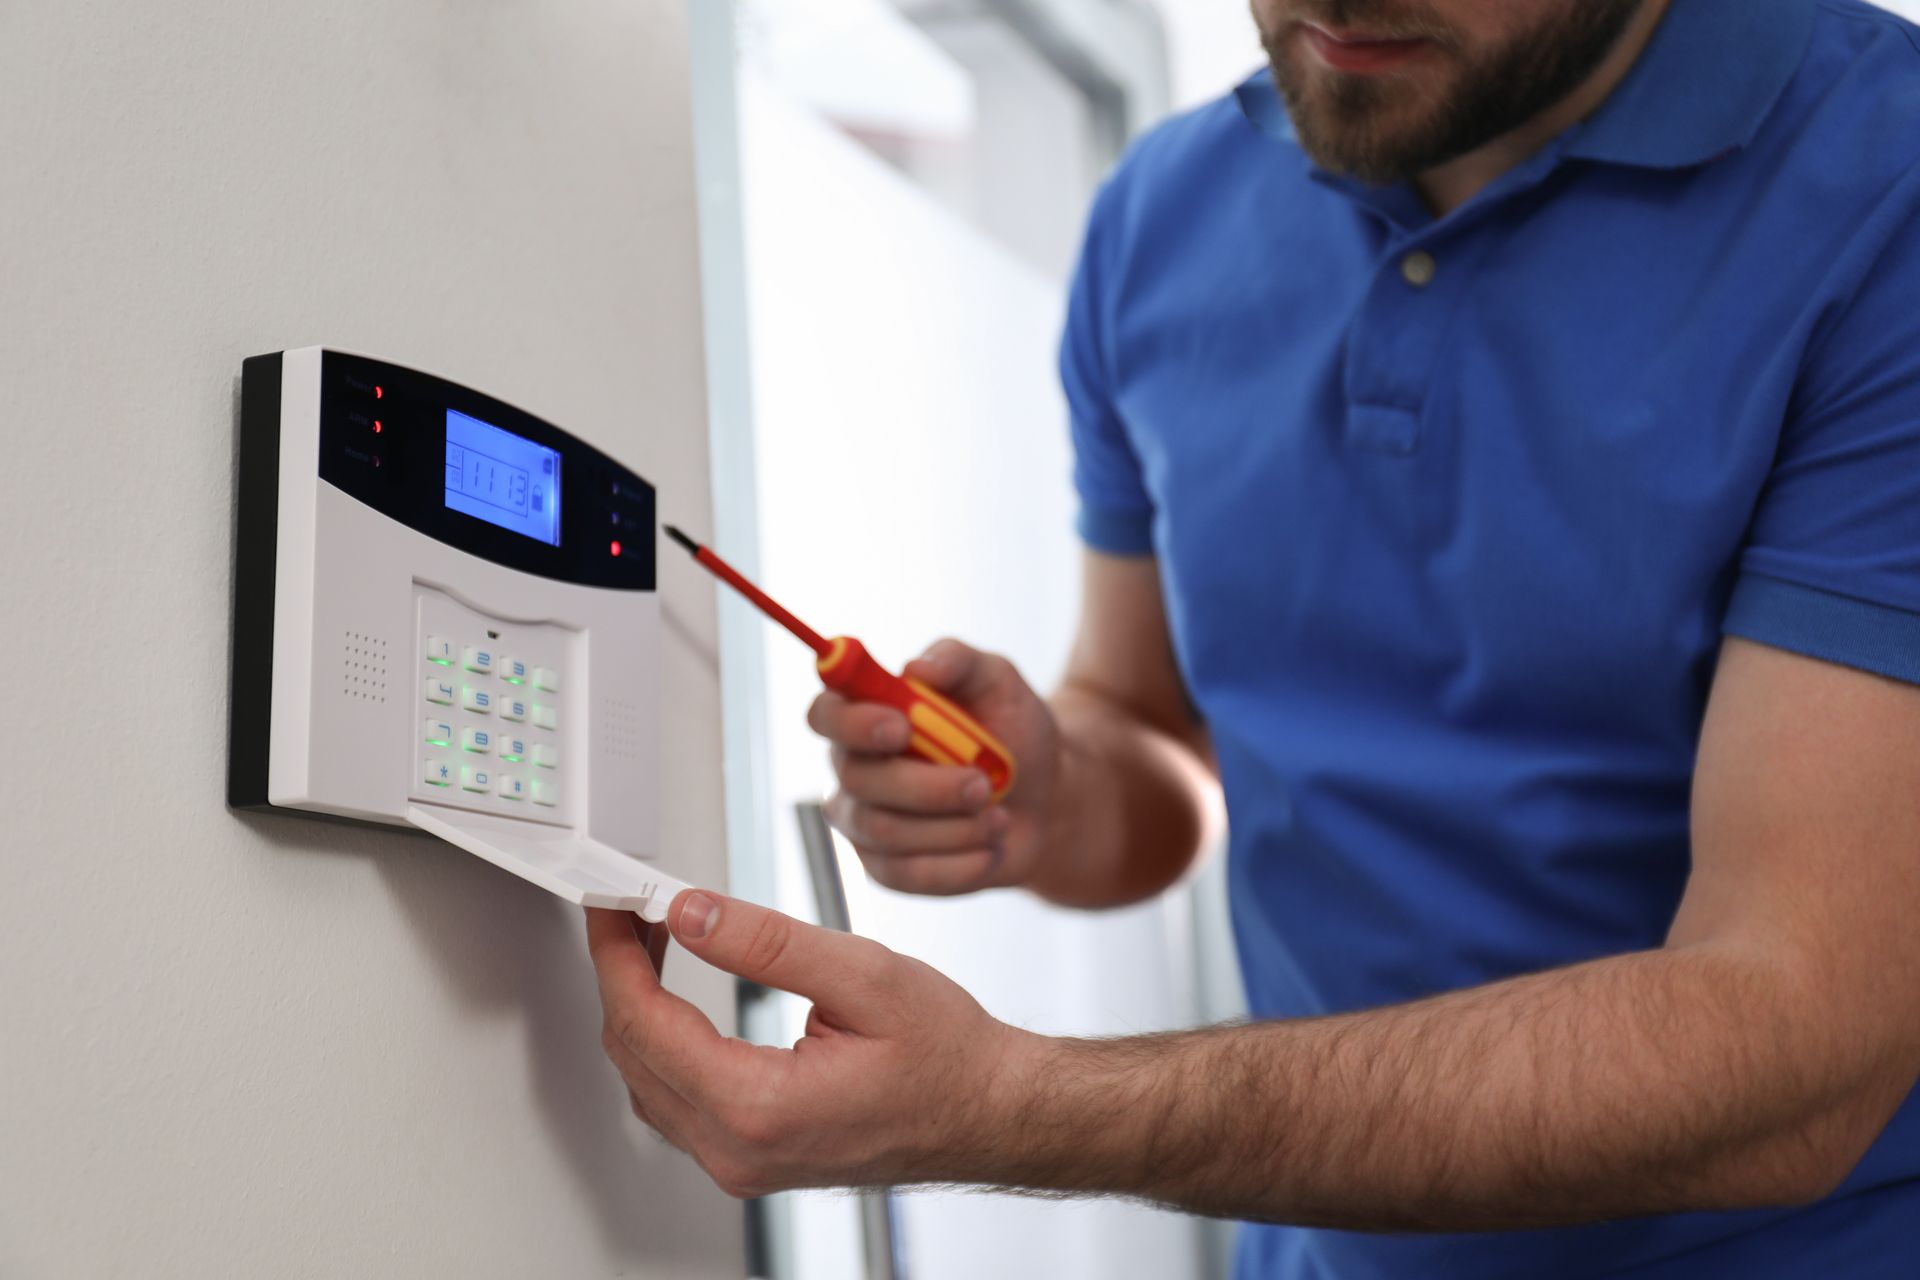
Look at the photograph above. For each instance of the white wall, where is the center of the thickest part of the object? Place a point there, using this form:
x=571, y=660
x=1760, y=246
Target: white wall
x=1211, y=46
x=264, y=1046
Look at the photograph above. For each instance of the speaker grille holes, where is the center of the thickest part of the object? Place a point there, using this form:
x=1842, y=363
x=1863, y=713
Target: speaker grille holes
x=363, y=666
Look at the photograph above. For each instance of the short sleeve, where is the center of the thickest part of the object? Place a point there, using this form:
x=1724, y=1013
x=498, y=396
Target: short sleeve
x=1116, y=512
x=1831, y=568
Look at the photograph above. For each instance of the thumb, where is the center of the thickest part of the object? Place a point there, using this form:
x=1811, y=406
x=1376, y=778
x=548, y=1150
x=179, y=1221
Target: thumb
x=775, y=950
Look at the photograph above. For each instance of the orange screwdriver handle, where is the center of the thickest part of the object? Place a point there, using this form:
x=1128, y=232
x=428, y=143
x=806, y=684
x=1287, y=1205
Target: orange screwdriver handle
x=942, y=732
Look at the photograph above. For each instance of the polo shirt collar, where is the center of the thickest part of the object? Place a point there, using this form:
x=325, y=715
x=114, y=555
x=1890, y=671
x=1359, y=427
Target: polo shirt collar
x=1702, y=87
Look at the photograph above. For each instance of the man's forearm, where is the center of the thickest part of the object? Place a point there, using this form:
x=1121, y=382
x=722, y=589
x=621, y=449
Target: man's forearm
x=1654, y=1082
x=1132, y=807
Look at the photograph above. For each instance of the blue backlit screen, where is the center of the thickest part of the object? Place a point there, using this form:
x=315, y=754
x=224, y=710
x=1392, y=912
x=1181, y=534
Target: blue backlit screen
x=496, y=476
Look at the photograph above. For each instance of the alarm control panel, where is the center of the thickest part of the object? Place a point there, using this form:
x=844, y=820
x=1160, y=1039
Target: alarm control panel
x=445, y=618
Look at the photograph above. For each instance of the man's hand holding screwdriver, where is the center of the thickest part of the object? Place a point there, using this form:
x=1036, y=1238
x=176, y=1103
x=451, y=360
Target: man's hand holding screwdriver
x=934, y=829
x=1114, y=795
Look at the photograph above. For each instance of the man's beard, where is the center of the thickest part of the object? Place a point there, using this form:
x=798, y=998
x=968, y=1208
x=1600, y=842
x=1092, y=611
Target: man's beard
x=1346, y=122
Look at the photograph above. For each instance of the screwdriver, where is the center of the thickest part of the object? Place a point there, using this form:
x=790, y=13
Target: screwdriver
x=942, y=732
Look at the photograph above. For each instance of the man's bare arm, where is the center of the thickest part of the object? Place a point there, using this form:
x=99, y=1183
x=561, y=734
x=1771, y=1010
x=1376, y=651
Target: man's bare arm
x=1137, y=801
x=1751, y=1061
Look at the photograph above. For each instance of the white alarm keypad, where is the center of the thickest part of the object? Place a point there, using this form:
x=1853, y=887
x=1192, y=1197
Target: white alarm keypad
x=432, y=630
x=493, y=720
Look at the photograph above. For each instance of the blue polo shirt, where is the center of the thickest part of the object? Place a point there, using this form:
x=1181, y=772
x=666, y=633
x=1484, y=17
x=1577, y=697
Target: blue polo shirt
x=1453, y=513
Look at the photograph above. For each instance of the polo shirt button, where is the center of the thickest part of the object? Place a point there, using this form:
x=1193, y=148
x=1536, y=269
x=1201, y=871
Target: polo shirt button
x=1417, y=268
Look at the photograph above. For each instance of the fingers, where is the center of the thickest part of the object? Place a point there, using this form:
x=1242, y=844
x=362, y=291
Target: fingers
x=868, y=728
x=913, y=786
x=834, y=969
x=939, y=875
x=889, y=831
x=960, y=671
x=619, y=930
x=968, y=675
x=655, y=1104
x=653, y=940
x=637, y=1105
x=614, y=943
x=672, y=1038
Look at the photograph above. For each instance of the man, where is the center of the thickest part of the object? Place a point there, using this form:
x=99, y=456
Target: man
x=1498, y=435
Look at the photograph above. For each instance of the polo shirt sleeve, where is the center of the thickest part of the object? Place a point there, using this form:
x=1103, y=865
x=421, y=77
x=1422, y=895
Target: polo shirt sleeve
x=1116, y=512
x=1831, y=568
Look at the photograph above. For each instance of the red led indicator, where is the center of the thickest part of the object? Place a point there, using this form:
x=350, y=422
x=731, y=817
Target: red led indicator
x=615, y=548
x=376, y=426
x=377, y=393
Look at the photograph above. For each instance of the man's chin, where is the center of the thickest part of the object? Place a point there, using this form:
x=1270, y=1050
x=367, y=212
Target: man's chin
x=1374, y=131
x=1373, y=155
x=1366, y=168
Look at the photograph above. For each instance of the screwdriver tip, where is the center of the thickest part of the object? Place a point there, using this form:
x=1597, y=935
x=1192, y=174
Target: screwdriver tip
x=693, y=548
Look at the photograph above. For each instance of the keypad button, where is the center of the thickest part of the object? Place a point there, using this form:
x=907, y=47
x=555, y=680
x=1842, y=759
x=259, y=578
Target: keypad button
x=438, y=733
x=515, y=670
x=476, y=739
x=475, y=777
x=512, y=749
x=439, y=691
x=545, y=756
x=544, y=717
x=513, y=787
x=546, y=679
x=436, y=772
x=478, y=659
x=512, y=708
x=478, y=701
x=544, y=792
x=440, y=650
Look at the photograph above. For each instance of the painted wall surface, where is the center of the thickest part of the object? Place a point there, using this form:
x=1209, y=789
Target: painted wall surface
x=270, y=1046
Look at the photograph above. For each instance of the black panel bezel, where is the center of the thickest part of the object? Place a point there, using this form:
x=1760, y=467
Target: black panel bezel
x=398, y=470
x=256, y=533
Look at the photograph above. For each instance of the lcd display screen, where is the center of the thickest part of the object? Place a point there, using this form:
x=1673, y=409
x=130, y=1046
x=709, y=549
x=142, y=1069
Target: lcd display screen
x=496, y=476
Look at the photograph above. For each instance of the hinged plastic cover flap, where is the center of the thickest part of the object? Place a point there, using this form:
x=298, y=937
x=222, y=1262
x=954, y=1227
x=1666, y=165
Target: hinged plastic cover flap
x=575, y=867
